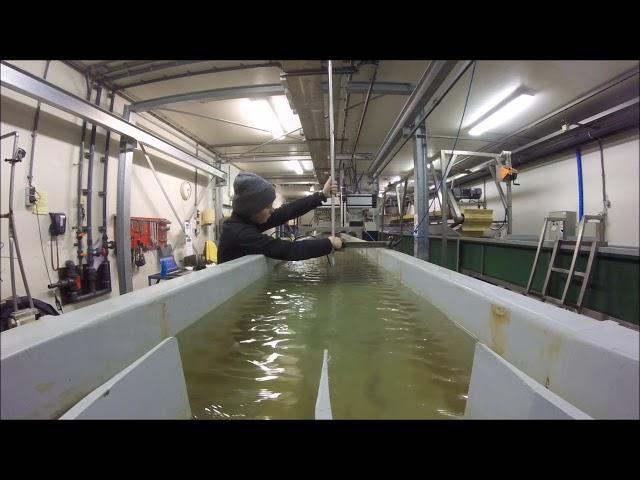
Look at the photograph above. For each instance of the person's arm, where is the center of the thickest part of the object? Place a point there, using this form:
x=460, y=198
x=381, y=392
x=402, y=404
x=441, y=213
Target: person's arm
x=253, y=242
x=293, y=210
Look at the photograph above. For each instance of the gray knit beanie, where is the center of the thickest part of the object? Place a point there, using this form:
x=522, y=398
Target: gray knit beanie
x=252, y=193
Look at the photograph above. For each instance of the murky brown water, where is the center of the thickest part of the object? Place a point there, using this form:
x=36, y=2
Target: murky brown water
x=392, y=355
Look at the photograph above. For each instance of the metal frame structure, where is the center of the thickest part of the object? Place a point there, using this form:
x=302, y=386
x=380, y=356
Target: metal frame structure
x=34, y=87
x=453, y=166
x=437, y=80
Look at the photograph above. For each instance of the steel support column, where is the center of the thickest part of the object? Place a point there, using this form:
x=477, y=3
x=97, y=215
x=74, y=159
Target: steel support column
x=421, y=196
x=123, y=211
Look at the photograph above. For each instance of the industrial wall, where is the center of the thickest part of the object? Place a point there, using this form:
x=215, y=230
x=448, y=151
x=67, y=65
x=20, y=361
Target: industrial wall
x=55, y=171
x=552, y=184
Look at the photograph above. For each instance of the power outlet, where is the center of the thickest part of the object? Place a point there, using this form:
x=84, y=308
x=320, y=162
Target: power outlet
x=29, y=196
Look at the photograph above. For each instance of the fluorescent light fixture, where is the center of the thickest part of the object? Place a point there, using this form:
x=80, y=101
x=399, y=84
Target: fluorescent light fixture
x=507, y=112
x=295, y=166
x=287, y=118
x=266, y=118
x=491, y=103
x=306, y=164
x=312, y=188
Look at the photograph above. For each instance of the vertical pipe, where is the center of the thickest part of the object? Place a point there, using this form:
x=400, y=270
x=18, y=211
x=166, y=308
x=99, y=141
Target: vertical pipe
x=11, y=233
x=332, y=152
x=580, y=191
x=12, y=270
x=218, y=205
x=12, y=228
x=79, y=228
x=89, y=191
x=105, y=177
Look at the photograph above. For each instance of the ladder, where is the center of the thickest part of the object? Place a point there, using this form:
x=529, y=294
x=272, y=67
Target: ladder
x=571, y=272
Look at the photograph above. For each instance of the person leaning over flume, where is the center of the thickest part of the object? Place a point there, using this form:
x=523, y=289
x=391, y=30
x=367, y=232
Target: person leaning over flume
x=253, y=213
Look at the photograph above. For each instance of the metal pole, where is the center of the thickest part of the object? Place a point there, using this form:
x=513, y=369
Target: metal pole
x=509, y=204
x=332, y=146
x=123, y=211
x=14, y=295
x=164, y=192
x=8, y=216
x=79, y=226
x=89, y=190
x=218, y=207
x=105, y=178
x=444, y=206
x=12, y=227
x=421, y=196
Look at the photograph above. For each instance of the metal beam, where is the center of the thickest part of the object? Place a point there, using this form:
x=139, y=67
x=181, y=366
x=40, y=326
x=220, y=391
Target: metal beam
x=34, y=87
x=229, y=93
x=112, y=74
x=305, y=72
x=206, y=71
x=286, y=158
x=222, y=120
x=383, y=88
x=293, y=180
x=433, y=77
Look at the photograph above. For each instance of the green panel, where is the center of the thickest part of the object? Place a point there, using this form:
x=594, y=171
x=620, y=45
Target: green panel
x=613, y=286
x=471, y=257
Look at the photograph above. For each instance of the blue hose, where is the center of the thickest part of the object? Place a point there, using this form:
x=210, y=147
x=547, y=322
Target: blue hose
x=580, y=190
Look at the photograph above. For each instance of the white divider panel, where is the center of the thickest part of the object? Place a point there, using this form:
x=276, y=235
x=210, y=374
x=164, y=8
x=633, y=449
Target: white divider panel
x=323, y=402
x=593, y=365
x=500, y=391
x=50, y=365
x=151, y=388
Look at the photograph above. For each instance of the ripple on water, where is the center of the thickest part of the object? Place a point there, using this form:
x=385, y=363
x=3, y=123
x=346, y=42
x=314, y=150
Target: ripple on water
x=391, y=354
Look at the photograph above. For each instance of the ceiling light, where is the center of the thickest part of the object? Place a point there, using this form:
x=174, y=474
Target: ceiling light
x=295, y=166
x=491, y=103
x=266, y=117
x=507, y=112
x=288, y=119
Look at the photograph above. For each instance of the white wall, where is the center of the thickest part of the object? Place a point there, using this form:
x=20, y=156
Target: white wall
x=55, y=171
x=552, y=185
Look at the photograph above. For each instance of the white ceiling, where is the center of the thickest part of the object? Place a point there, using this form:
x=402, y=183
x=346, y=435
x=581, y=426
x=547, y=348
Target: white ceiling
x=554, y=83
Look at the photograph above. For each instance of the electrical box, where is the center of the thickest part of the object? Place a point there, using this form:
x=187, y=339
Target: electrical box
x=565, y=227
x=29, y=196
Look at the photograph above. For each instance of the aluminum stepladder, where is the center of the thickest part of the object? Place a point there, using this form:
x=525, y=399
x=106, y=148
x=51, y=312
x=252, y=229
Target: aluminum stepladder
x=571, y=273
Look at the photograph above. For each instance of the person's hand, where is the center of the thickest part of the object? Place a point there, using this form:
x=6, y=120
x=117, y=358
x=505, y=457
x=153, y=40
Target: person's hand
x=330, y=188
x=336, y=242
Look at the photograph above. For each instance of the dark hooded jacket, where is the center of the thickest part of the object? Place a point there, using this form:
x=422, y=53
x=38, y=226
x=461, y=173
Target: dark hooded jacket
x=242, y=237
